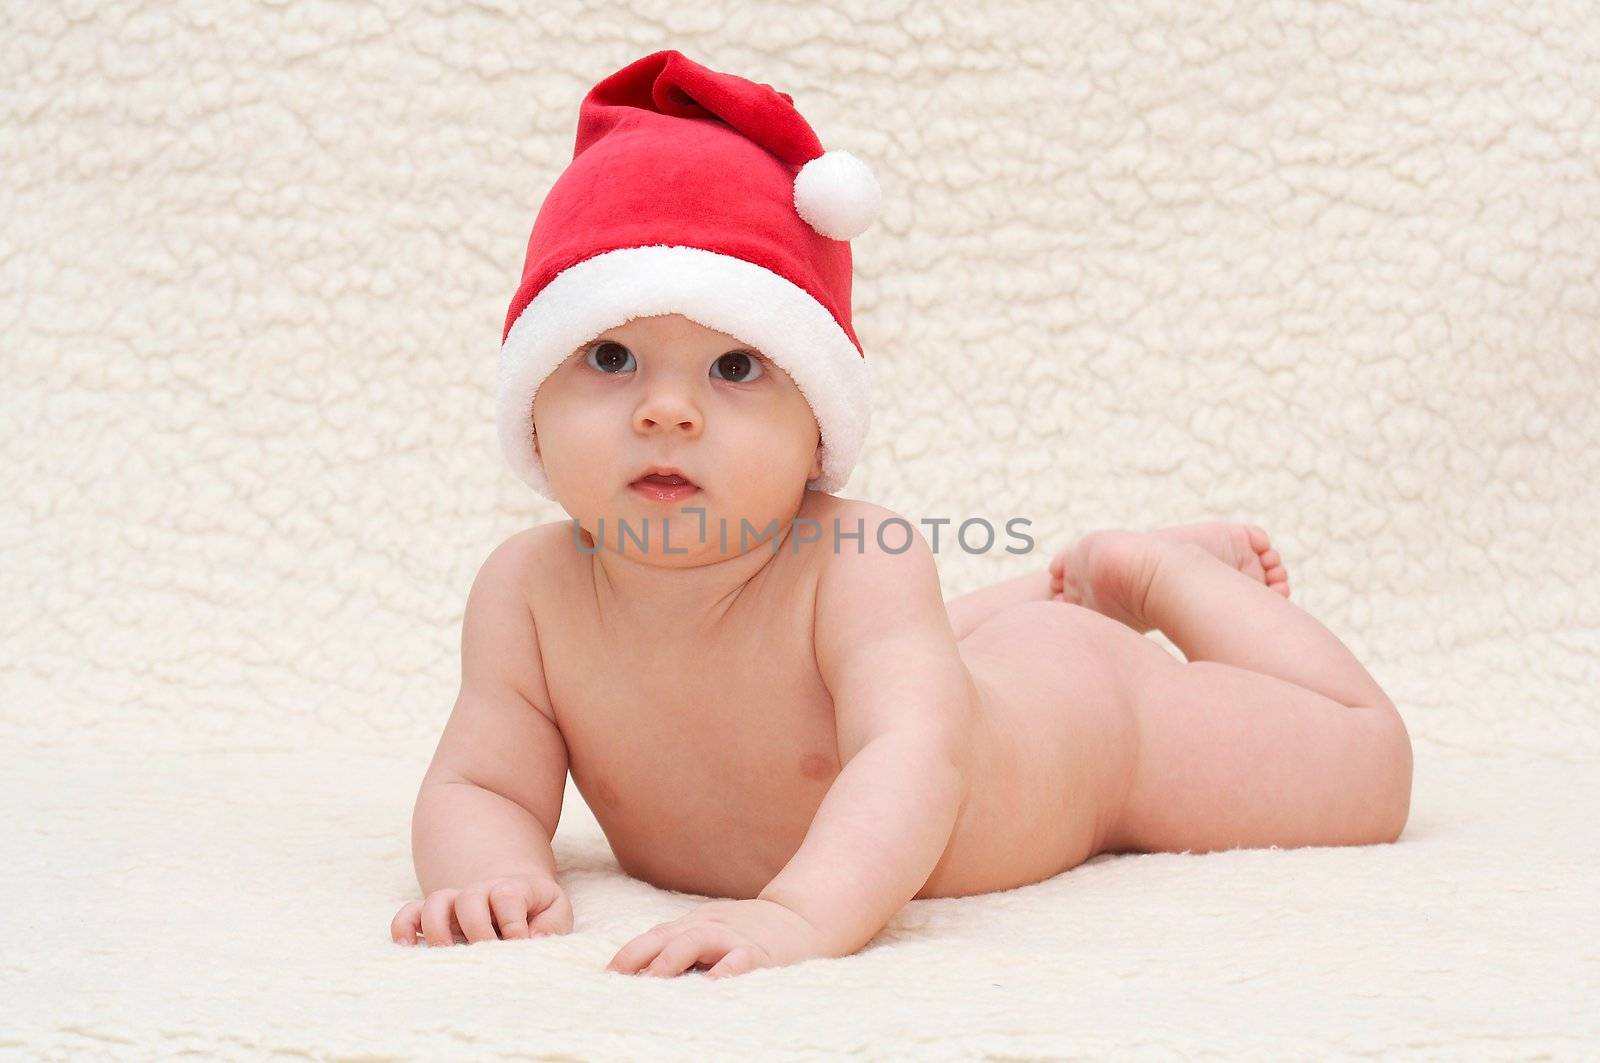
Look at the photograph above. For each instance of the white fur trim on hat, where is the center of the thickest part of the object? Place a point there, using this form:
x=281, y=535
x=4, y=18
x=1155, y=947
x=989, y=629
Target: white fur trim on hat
x=721, y=292
x=837, y=195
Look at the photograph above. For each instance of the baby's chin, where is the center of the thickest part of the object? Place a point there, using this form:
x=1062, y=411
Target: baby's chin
x=712, y=515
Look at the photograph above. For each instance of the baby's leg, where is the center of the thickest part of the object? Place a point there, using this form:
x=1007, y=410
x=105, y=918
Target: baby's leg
x=1272, y=733
x=1244, y=546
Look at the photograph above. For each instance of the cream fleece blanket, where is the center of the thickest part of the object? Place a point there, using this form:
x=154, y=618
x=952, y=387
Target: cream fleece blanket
x=1328, y=269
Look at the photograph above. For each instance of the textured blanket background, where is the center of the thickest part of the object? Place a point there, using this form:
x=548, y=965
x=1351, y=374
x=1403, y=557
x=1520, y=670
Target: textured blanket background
x=1328, y=267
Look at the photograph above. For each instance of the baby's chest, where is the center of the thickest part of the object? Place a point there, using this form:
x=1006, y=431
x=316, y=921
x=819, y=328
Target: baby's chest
x=661, y=731
x=702, y=779
x=708, y=733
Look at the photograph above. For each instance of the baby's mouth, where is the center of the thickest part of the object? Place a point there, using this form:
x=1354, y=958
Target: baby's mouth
x=664, y=487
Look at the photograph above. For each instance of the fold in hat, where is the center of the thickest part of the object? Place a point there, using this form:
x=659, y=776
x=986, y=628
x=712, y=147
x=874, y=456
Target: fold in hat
x=707, y=195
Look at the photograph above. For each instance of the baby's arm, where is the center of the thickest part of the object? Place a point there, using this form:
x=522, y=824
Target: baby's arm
x=491, y=797
x=903, y=701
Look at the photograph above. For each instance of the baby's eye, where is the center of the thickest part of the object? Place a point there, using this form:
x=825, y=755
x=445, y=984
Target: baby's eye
x=738, y=363
x=610, y=357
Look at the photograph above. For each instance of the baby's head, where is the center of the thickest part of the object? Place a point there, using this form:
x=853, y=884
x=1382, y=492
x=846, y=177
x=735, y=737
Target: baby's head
x=667, y=392
x=685, y=301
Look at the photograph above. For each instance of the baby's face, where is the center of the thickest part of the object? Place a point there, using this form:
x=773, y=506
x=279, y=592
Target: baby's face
x=668, y=391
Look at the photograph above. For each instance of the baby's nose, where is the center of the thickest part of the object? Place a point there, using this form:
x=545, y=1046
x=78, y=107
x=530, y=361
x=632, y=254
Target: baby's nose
x=665, y=408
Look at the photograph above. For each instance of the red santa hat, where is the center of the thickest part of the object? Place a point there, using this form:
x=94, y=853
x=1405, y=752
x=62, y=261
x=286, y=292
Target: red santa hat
x=703, y=194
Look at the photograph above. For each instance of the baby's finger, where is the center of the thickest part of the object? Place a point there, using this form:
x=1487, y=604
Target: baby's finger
x=704, y=943
x=437, y=913
x=510, y=910
x=556, y=914
x=405, y=924
x=472, y=912
x=738, y=961
x=640, y=951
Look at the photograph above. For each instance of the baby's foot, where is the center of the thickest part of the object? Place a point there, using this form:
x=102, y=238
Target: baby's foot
x=1110, y=571
x=1244, y=546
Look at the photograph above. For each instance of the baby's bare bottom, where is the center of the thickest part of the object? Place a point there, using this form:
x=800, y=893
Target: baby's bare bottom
x=1269, y=734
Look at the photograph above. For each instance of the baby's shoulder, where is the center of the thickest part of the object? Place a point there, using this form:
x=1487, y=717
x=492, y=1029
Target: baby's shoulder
x=532, y=558
x=524, y=549
x=555, y=541
x=870, y=556
x=878, y=580
x=851, y=520
x=853, y=527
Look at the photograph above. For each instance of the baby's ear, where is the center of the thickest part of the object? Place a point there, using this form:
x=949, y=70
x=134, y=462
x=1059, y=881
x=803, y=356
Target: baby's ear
x=816, y=462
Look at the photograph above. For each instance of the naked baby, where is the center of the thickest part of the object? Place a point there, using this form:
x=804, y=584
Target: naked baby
x=798, y=725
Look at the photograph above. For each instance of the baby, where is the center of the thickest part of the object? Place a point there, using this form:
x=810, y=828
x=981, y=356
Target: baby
x=755, y=682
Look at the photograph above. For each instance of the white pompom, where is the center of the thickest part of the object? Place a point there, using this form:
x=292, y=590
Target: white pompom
x=837, y=195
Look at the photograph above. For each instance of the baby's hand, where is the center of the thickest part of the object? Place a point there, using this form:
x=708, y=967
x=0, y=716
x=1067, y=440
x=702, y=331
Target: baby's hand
x=462, y=916
x=728, y=936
